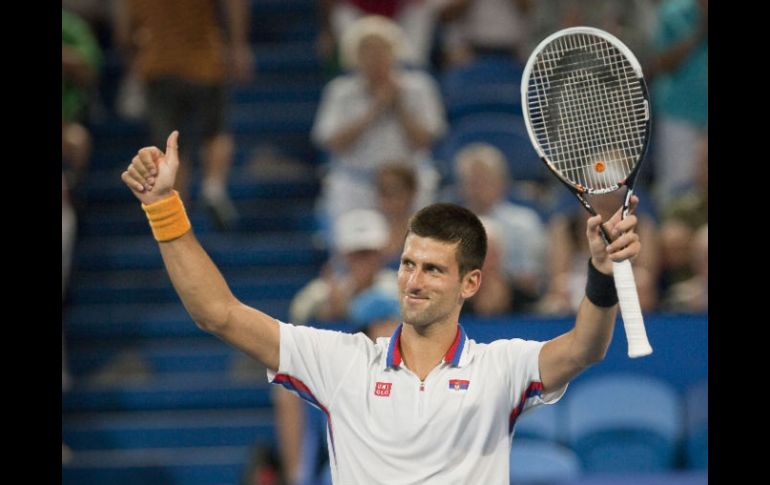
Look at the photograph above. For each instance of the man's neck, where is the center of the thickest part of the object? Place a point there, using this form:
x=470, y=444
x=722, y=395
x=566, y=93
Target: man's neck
x=422, y=349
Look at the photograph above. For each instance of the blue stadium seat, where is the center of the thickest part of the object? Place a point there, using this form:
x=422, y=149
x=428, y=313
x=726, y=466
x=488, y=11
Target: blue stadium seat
x=539, y=461
x=505, y=131
x=697, y=438
x=502, y=98
x=541, y=422
x=482, y=71
x=624, y=423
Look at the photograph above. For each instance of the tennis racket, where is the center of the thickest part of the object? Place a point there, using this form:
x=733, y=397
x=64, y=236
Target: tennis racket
x=587, y=112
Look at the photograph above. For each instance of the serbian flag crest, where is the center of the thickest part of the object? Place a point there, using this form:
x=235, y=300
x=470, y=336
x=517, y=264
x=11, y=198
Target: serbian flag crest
x=458, y=384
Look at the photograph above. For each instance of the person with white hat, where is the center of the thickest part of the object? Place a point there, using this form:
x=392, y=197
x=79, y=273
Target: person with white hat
x=356, y=265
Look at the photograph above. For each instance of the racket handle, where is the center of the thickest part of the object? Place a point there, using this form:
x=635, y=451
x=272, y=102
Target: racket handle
x=628, y=298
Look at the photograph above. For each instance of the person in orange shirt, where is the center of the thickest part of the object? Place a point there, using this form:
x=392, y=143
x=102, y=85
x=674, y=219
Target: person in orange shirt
x=186, y=65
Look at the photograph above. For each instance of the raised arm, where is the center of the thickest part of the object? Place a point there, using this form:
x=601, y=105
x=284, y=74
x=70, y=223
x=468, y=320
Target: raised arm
x=200, y=285
x=564, y=357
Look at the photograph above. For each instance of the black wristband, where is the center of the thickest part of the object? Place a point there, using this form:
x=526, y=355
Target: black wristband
x=600, y=288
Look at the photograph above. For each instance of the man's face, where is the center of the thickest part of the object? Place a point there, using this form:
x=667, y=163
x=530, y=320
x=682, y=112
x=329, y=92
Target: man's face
x=430, y=288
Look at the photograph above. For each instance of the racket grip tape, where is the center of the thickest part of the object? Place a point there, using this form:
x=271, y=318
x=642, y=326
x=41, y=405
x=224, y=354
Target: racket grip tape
x=628, y=298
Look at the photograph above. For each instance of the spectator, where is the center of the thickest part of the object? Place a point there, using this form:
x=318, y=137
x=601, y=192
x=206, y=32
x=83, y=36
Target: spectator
x=566, y=249
x=496, y=296
x=360, y=237
x=482, y=174
x=377, y=113
x=479, y=28
x=416, y=18
x=81, y=59
x=686, y=214
x=692, y=294
x=184, y=66
x=632, y=21
x=679, y=73
x=396, y=190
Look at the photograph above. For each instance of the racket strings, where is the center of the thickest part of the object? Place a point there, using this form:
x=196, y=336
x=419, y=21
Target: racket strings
x=595, y=136
x=591, y=128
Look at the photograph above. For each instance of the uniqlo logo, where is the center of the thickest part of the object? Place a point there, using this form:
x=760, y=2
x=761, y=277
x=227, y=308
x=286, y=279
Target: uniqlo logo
x=382, y=389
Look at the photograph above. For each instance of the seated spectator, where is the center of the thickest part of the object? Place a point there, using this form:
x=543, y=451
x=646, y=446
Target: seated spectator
x=692, y=294
x=396, y=191
x=482, y=174
x=683, y=216
x=568, y=253
x=496, y=296
x=360, y=237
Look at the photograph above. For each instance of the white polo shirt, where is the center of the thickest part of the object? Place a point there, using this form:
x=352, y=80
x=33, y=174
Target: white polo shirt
x=385, y=426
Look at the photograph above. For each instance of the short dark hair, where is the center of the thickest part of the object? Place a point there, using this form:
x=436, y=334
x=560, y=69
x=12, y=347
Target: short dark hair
x=451, y=223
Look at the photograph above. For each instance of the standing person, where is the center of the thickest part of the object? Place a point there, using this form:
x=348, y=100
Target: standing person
x=483, y=28
x=186, y=59
x=428, y=405
x=417, y=18
x=678, y=73
x=81, y=61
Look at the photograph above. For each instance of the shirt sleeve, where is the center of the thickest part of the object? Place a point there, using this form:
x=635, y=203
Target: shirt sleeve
x=520, y=361
x=314, y=362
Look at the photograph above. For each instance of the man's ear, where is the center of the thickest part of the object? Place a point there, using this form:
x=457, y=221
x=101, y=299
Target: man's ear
x=470, y=284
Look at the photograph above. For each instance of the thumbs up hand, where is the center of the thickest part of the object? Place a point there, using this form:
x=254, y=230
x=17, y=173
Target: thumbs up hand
x=151, y=173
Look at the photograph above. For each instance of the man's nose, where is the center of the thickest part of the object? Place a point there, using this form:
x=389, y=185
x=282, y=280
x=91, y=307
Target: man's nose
x=415, y=281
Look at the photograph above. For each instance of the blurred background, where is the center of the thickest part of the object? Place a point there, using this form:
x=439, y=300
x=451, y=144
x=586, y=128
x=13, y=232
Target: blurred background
x=310, y=131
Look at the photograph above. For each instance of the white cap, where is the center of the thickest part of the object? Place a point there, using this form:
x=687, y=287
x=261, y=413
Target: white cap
x=360, y=229
x=376, y=25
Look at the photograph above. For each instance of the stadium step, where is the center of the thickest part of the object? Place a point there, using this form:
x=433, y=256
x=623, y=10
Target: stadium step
x=128, y=252
x=163, y=356
x=168, y=429
x=191, y=390
x=145, y=321
x=189, y=466
x=255, y=217
x=126, y=290
x=106, y=186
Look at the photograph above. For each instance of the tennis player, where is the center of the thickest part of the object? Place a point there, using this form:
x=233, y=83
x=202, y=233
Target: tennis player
x=427, y=405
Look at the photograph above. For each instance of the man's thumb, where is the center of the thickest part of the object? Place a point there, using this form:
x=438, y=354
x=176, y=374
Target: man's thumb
x=172, y=148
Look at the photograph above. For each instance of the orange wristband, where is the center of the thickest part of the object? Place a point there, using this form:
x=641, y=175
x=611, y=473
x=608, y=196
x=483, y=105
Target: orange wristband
x=168, y=218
